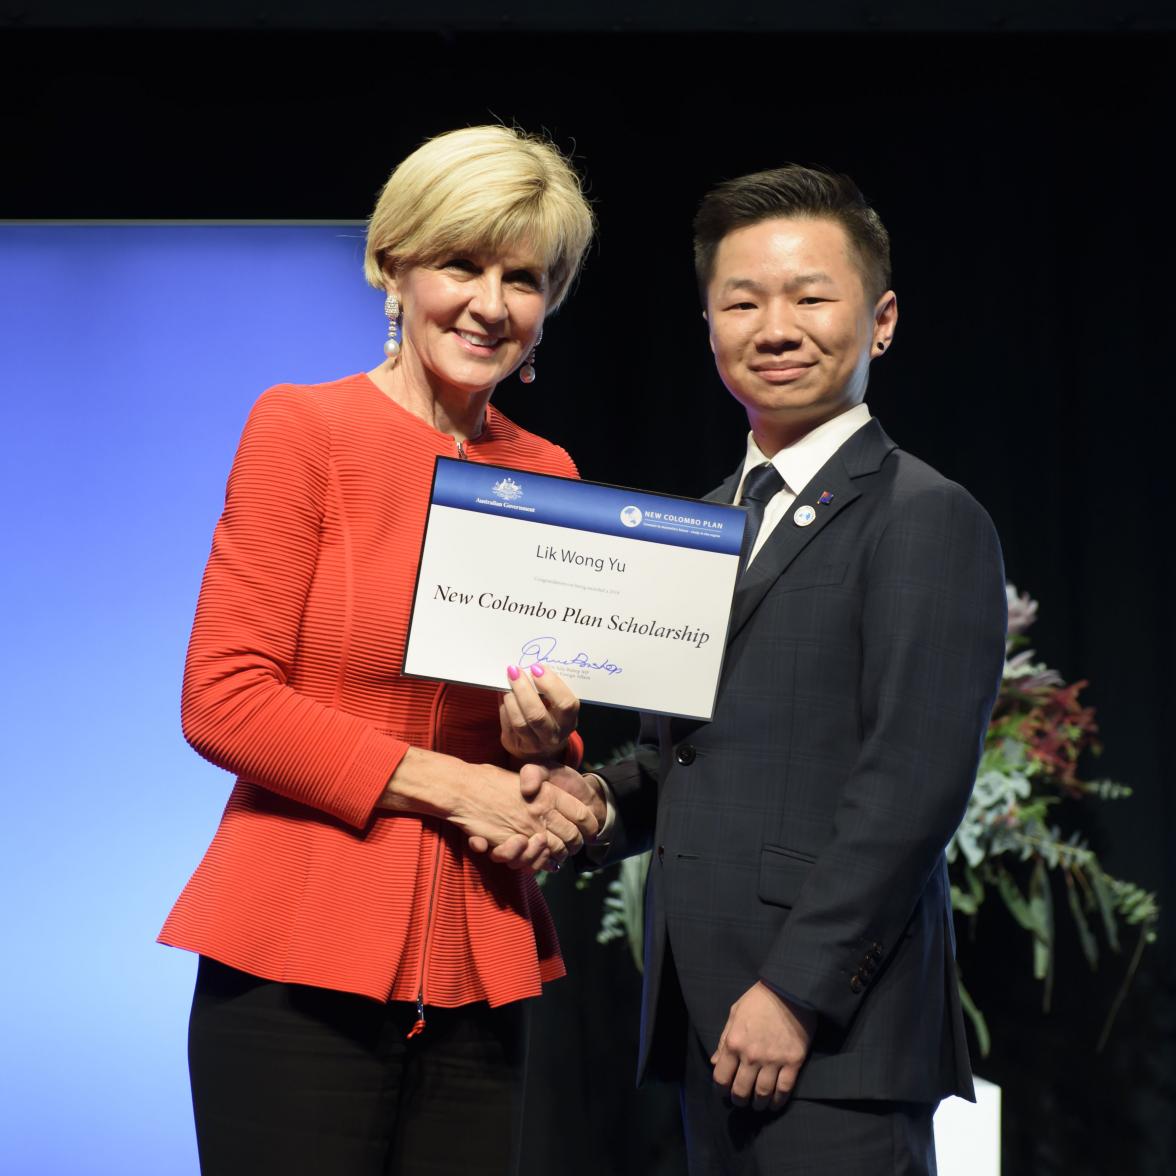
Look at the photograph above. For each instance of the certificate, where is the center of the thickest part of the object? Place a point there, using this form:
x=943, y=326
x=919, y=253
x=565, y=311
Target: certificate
x=625, y=594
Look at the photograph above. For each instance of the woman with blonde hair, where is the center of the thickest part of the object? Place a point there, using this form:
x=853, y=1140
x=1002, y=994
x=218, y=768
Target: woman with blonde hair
x=367, y=916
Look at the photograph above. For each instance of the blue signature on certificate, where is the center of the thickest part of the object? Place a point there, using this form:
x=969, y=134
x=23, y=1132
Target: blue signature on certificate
x=542, y=649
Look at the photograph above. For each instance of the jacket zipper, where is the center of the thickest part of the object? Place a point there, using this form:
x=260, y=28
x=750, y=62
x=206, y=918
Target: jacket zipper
x=419, y=1024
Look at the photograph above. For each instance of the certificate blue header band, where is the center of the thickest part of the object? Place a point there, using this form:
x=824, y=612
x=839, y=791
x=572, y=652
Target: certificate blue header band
x=588, y=506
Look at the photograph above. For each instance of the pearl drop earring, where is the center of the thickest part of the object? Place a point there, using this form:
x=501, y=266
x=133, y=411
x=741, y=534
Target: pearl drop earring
x=392, y=343
x=527, y=371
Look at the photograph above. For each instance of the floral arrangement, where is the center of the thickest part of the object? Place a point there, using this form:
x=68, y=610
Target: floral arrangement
x=1039, y=735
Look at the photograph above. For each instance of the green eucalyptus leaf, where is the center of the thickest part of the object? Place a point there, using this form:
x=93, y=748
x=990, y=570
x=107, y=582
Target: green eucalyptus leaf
x=1085, y=935
x=1015, y=901
x=1106, y=905
x=964, y=903
x=975, y=884
x=1041, y=908
x=979, y=1024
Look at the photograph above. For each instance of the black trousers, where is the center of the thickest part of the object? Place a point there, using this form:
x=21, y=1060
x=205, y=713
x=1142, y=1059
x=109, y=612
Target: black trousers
x=860, y=1137
x=300, y=1081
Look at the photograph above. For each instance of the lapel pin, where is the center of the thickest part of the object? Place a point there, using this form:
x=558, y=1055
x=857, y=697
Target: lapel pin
x=804, y=515
x=825, y=499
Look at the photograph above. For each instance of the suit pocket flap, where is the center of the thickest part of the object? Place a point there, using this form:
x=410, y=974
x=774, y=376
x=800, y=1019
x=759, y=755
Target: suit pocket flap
x=820, y=577
x=782, y=874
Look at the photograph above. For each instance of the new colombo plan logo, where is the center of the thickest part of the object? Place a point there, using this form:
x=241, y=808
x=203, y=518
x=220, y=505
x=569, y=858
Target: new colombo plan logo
x=631, y=516
x=508, y=490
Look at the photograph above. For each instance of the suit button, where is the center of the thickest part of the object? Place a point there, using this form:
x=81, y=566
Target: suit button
x=856, y=983
x=685, y=755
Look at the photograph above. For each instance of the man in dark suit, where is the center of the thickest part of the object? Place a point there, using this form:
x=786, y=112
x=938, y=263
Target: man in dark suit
x=799, y=971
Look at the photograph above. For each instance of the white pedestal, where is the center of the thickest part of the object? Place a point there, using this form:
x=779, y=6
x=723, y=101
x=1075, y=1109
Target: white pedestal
x=967, y=1136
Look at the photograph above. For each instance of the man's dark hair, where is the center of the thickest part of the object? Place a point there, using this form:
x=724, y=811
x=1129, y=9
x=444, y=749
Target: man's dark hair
x=792, y=191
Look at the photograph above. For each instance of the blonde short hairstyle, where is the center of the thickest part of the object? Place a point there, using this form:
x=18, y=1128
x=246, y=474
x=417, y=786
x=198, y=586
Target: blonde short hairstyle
x=481, y=189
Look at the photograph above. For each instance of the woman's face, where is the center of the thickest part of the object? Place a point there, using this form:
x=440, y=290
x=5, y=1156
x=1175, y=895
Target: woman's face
x=471, y=319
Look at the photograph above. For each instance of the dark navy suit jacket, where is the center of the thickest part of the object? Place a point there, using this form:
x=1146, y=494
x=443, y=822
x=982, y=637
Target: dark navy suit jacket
x=798, y=836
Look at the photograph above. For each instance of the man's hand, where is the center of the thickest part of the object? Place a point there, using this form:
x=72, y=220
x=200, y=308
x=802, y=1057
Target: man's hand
x=524, y=820
x=577, y=798
x=566, y=822
x=585, y=789
x=762, y=1048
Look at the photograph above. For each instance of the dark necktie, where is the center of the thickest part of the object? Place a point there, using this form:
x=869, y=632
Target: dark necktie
x=759, y=488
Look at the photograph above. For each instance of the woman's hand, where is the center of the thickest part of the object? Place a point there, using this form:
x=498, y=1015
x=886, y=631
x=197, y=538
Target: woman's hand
x=522, y=820
x=537, y=827
x=538, y=714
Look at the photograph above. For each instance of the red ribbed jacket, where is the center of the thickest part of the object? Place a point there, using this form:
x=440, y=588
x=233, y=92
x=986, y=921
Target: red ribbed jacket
x=293, y=684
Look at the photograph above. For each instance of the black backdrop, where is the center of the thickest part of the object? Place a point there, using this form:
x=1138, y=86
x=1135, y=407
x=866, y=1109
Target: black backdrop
x=1025, y=183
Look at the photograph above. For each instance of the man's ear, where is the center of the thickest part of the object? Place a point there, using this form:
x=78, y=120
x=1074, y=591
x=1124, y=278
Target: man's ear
x=885, y=322
x=709, y=337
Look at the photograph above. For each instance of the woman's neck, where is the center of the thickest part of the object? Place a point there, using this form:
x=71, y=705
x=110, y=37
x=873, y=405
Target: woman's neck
x=460, y=414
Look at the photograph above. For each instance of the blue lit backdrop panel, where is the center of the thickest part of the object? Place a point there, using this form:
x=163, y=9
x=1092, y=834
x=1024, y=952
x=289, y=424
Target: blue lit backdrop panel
x=130, y=357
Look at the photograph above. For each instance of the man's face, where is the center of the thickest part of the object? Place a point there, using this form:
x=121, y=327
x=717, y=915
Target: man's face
x=792, y=327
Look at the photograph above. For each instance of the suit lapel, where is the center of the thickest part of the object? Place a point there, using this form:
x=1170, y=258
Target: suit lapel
x=859, y=457
x=725, y=492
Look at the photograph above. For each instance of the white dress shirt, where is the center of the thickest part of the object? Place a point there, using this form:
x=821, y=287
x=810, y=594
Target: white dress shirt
x=798, y=465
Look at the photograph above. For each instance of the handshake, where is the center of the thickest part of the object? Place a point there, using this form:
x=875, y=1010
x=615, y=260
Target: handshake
x=532, y=819
x=560, y=809
x=553, y=813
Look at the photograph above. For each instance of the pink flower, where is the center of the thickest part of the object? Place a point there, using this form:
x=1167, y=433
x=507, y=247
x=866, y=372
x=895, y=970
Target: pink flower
x=1027, y=675
x=1022, y=610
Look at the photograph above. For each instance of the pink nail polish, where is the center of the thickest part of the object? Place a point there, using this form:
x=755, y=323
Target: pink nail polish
x=512, y=672
x=536, y=671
